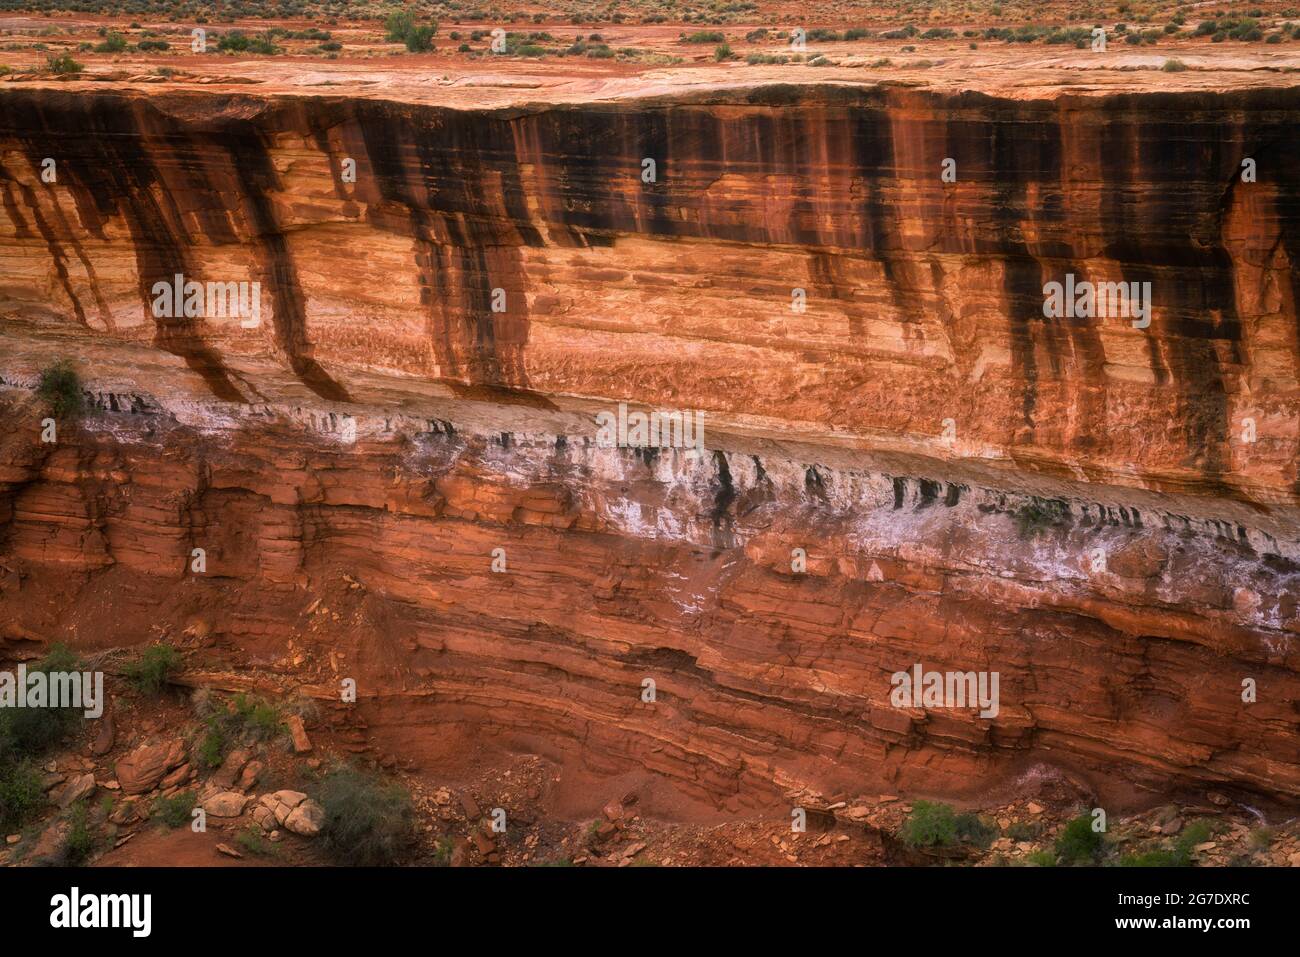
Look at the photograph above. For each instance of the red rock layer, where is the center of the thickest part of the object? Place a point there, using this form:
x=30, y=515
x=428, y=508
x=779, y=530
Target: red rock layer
x=963, y=459
x=622, y=567
x=924, y=298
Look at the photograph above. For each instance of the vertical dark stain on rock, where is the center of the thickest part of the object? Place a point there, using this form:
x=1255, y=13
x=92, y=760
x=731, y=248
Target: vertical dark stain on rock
x=1189, y=269
x=255, y=177
x=443, y=178
x=102, y=139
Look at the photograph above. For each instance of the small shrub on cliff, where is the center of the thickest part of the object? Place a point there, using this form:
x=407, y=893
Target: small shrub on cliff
x=929, y=825
x=1174, y=66
x=63, y=64
x=1040, y=515
x=1078, y=842
x=722, y=52
x=60, y=389
x=154, y=669
x=368, y=821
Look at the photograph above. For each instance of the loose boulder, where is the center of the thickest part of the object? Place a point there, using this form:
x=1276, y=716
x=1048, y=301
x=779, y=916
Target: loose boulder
x=142, y=769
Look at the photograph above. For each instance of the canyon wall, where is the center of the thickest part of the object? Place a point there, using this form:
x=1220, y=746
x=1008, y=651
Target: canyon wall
x=950, y=461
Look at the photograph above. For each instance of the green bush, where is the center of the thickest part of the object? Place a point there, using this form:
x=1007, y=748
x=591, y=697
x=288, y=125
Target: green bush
x=27, y=732
x=63, y=64
x=251, y=841
x=419, y=39
x=1174, y=66
x=174, y=811
x=21, y=794
x=398, y=24
x=367, y=821
x=212, y=747
x=237, y=42
x=929, y=825
x=1078, y=842
x=1039, y=515
x=113, y=43
x=723, y=52
x=60, y=388
x=1179, y=855
x=82, y=840
x=705, y=36
x=256, y=719
x=154, y=669
x=243, y=719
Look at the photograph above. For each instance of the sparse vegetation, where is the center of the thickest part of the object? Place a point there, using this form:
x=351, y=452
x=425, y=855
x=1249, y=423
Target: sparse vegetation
x=28, y=732
x=60, y=389
x=113, y=43
x=244, y=719
x=174, y=811
x=1261, y=838
x=368, y=821
x=1024, y=831
x=82, y=840
x=397, y=25
x=251, y=841
x=930, y=824
x=154, y=668
x=238, y=42
x=975, y=830
x=419, y=39
x=401, y=27
x=212, y=747
x=1078, y=843
x=63, y=65
x=21, y=794
x=1179, y=855
x=1039, y=515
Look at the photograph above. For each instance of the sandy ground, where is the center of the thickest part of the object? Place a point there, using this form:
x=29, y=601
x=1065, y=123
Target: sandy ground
x=660, y=63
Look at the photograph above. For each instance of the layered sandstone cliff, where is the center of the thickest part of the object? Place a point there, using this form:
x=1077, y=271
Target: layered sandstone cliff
x=950, y=461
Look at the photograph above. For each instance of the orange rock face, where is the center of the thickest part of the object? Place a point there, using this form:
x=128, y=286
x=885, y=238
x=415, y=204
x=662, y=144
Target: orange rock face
x=906, y=462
